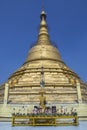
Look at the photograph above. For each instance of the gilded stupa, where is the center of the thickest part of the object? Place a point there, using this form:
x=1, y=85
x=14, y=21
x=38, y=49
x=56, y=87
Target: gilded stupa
x=62, y=85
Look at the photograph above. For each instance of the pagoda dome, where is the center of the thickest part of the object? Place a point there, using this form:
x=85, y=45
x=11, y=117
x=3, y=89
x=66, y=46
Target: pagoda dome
x=43, y=49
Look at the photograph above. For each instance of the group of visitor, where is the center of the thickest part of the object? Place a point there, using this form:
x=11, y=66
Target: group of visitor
x=50, y=110
x=47, y=111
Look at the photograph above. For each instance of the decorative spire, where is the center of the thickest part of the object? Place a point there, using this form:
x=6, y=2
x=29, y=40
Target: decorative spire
x=42, y=82
x=43, y=37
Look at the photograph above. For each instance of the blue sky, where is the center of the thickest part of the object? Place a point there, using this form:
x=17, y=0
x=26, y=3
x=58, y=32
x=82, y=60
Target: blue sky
x=19, y=24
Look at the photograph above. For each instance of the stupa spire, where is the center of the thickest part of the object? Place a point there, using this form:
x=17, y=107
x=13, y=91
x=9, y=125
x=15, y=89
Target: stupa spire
x=43, y=37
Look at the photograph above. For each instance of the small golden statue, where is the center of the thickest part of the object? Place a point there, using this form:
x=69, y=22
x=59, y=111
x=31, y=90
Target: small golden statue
x=42, y=101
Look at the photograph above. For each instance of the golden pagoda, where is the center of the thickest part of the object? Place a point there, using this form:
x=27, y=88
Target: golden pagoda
x=63, y=87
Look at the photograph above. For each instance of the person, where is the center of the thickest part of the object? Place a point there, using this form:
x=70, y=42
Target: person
x=75, y=112
x=72, y=111
x=35, y=111
x=61, y=110
x=65, y=111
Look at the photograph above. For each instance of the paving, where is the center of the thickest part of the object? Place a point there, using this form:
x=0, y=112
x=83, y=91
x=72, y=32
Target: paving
x=7, y=126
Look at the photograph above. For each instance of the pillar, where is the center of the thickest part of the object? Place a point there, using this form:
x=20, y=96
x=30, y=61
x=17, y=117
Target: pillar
x=79, y=93
x=6, y=94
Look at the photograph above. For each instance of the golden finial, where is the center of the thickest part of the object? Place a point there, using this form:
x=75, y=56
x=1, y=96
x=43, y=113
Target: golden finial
x=43, y=37
x=43, y=14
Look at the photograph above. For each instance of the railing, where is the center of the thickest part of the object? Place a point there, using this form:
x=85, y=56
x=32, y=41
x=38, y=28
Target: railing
x=44, y=120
